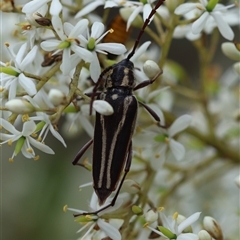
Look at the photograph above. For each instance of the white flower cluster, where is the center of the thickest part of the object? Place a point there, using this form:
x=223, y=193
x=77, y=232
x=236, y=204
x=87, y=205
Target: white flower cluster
x=52, y=65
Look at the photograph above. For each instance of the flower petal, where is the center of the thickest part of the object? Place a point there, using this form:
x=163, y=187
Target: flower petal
x=179, y=125
x=199, y=24
x=9, y=127
x=186, y=7
x=134, y=14
x=188, y=221
x=58, y=26
x=12, y=89
x=66, y=65
x=19, y=57
x=110, y=4
x=29, y=58
x=56, y=7
x=79, y=28
x=28, y=128
x=114, y=48
x=187, y=236
x=50, y=45
x=95, y=69
x=146, y=11
x=40, y=146
x=85, y=123
x=27, y=84
x=33, y=6
x=57, y=135
x=223, y=27
x=25, y=151
x=89, y=8
x=177, y=149
x=97, y=30
x=83, y=53
x=110, y=231
x=142, y=49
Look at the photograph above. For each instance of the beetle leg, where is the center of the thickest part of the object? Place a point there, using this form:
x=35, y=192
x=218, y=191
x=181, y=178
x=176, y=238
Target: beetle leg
x=81, y=152
x=152, y=113
x=148, y=82
x=112, y=203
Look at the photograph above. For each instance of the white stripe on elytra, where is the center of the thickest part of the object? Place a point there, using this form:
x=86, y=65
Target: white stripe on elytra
x=114, y=140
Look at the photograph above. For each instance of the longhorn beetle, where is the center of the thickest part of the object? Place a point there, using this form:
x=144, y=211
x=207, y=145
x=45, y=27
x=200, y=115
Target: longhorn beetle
x=112, y=141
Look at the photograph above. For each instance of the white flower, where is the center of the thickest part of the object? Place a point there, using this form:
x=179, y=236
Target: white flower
x=69, y=36
x=178, y=125
x=24, y=139
x=136, y=59
x=45, y=125
x=212, y=15
x=96, y=3
x=92, y=43
x=230, y=50
x=103, y=107
x=157, y=151
x=105, y=227
x=151, y=216
x=31, y=32
x=213, y=227
x=146, y=8
x=20, y=106
x=56, y=97
x=171, y=230
x=150, y=68
x=12, y=77
x=35, y=5
x=204, y=235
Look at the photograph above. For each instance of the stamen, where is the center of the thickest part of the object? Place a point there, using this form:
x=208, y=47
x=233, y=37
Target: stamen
x=175, y=215
x=10, y=142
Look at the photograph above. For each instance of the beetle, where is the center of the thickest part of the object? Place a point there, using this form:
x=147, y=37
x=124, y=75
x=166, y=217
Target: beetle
x=112, y=141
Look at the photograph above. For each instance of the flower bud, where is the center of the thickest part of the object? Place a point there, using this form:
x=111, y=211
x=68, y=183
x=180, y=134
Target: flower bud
x=151, y=216
x=213, y=228
x=211, y=5
x=236, y=67
x=9, y=71
x=150, y=68
x=19, y=145
x=130, y=186
x=103, y=107
x=237, y=181
x=137, y=210
x=56, y=97
x=230, y=50
x=167, y=232
x=20, y=106
x=204, y=235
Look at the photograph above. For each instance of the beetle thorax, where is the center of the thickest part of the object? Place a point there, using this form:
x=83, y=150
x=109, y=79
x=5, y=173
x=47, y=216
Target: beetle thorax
x=121, y=75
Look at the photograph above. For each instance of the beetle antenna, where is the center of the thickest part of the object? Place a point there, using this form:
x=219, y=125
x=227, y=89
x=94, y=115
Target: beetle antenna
x=143, y=28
